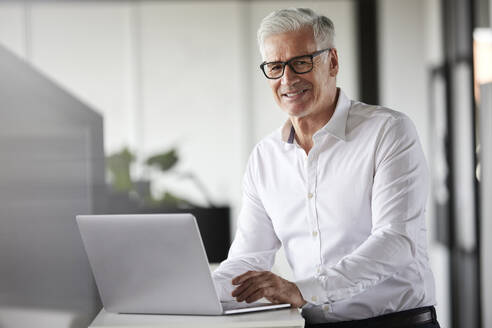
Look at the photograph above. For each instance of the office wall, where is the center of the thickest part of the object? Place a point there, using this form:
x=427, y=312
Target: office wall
x=191, y=91
x=12, y=26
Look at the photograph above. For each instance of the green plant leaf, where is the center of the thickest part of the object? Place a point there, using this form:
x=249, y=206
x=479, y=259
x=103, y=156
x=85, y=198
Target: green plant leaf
x=164, y=161
x=119, y=168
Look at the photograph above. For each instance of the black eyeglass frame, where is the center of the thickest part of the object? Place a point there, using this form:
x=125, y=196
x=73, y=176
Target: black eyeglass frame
x=314, y=54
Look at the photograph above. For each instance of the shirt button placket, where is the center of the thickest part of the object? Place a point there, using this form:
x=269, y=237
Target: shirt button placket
x=312, y=196
x=309, y=195
x=311, y=210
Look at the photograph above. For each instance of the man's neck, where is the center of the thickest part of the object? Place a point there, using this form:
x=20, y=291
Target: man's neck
x=305, y=127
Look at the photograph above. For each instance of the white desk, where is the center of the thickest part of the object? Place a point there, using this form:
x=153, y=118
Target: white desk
x=279, y=318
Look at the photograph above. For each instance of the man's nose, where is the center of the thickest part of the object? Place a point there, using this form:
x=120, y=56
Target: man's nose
x=289, y=76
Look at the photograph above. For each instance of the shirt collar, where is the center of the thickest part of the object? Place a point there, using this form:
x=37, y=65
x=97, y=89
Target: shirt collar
x=335, y=126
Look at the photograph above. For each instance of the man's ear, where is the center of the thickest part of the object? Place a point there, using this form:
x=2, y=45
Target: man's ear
x=334, y=62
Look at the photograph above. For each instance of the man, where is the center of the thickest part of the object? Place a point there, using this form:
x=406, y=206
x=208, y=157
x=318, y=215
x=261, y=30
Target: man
x=342, y=186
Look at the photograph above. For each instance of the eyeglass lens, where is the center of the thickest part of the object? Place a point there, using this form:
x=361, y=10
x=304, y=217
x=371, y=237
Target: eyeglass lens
x=298, y=65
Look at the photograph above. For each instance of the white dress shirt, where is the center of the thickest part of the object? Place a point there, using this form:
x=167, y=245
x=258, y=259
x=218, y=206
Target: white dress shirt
x=350, y=215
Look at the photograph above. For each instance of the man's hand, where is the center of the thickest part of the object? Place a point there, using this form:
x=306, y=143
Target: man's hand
x=254, y=285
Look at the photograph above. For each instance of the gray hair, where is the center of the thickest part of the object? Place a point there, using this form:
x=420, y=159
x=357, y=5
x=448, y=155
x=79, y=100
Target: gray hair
x=294, y=19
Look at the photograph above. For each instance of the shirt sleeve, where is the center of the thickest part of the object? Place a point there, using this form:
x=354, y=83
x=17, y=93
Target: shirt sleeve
x=255, y=243
x=398, y=199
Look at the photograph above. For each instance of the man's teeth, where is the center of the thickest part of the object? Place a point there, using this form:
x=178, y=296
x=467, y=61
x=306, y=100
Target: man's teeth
x=294, y=93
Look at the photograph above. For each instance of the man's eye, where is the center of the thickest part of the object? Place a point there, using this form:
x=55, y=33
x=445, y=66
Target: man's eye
x=301, y=63
x=275, y=67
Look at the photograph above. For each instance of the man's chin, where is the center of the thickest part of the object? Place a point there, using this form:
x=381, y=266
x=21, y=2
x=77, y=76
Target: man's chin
x=296, y=112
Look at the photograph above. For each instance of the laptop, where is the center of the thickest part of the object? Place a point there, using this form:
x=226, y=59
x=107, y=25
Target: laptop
x=154, y=264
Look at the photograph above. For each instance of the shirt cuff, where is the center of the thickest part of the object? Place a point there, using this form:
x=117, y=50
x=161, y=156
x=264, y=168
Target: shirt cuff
x=312, y=291
x=323, y=289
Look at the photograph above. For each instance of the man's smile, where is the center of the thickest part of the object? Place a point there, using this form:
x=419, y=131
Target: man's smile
x=294, y=94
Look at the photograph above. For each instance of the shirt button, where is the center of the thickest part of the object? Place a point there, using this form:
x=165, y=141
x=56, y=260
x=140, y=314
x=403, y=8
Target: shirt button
x=326, y=308
x=318, y=270
x=310, y=195
x=315, y=233
x=314, y=298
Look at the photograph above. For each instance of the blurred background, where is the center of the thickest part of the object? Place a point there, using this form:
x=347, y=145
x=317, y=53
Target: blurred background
x=154, y=106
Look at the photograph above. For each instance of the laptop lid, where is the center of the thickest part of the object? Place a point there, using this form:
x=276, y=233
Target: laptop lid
x=153, y=263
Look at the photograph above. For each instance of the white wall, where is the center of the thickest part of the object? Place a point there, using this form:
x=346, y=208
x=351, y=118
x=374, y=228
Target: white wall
x=12, y=27
x=85, y=48
x=410, y=43
x=191, y=71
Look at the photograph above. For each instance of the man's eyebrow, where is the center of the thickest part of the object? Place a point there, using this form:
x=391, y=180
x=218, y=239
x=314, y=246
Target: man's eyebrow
x=274, y=61
x=283, y=61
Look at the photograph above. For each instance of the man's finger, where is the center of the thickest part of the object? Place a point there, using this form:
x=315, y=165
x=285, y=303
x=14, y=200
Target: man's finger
x=253, y=288
x=255, y=296
x=242, y=287
x=257, y=278
x=254, y=279
x=243, y=277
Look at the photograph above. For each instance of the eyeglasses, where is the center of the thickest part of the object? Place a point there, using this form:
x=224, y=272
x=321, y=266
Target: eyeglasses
x=299, y=65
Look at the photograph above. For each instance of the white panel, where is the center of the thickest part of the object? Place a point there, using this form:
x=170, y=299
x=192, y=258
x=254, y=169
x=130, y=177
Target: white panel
x=267, y=115
x=433, y=31
x=439, y=257
x=486, y=204
x=85, y=47
x=403, y=62
x=12, y=27
x=464, y=171
x=191, y=77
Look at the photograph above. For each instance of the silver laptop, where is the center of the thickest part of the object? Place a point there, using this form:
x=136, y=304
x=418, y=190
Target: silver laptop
x=154, y=264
